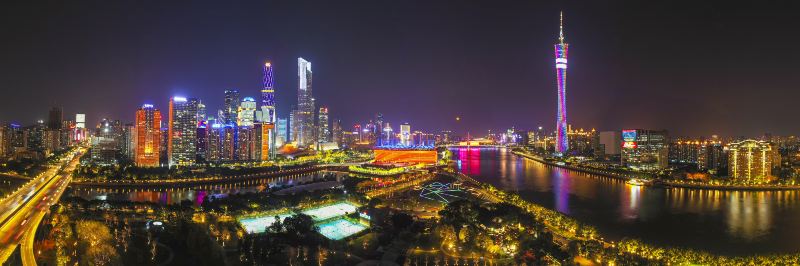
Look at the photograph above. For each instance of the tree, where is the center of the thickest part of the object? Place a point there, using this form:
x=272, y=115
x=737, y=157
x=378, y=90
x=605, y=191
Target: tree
x=401, y=221
x=96, y=239
x=300, y=229
x=276, y=227
x=460, y=214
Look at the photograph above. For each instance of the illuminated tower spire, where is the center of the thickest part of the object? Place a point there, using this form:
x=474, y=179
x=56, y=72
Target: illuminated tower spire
x=562, y=145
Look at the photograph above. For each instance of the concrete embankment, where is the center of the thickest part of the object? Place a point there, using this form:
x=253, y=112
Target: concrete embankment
x=624, y=176
x=178, y=183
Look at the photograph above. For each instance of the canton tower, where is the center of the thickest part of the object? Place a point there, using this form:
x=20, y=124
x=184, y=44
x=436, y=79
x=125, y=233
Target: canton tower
x=561, y=75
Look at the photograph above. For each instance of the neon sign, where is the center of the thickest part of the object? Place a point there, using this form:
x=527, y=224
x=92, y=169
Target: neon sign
x=629, y=135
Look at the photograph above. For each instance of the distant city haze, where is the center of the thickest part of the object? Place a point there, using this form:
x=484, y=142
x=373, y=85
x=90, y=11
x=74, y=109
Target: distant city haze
x=692, y=67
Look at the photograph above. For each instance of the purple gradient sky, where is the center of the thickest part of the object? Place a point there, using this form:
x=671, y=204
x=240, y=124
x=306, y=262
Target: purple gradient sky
x=692, y=67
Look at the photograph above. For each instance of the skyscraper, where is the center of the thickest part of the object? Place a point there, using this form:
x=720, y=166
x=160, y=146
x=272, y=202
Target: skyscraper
x=228, y=143
x=645, y=149
x=305, y=104
x=231, y=107
x=244, y=143
x=751, y=160
x=246, y=112
x=105, y=143
x=268, y=95
x=324, y=130
x=55, y=118
x=377, y=129
x=405, y=134
x=337, y=132
x=293, y=125
x=33, y=136
x=281, y=131
x=562, y=144
x=269, y=117
x=80, y=120
x=182, y=130
x=214, y=132
x=201, y=147
x=201, y=112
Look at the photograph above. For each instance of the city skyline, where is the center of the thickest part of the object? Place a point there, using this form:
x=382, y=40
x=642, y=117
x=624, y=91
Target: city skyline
x=312, y=132
x=632, y=70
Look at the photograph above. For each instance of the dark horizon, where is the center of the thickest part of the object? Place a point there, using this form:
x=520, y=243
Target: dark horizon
x=693, y=68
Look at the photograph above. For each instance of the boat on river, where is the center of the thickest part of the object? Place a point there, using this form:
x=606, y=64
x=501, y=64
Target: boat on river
x=638, y=182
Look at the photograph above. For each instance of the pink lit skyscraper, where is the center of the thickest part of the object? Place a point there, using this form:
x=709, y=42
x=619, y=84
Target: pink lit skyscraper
x=561, y=72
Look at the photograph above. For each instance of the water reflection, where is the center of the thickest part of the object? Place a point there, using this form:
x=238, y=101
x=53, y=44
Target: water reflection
x=724, y=222
x=561, y=188
x=199, y=194
x=749, y=214
x=631, y=195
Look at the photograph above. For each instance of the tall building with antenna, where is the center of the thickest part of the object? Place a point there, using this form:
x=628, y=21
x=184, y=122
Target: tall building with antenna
x=305, y=105
x=562, y=145
x=268, y=95
x=269, y=117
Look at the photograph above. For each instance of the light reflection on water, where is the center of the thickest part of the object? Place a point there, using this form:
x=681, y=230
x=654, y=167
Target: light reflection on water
x=197, y=194
x=724, y=222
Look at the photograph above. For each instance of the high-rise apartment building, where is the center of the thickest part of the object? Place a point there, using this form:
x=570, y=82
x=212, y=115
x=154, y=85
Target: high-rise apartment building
x=105, y=143
x=645, y=149
x=323, y=128
x=148, y=136
x=751, y=160
x=182, y=131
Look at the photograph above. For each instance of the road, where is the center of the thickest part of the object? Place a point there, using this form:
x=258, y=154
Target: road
x=21, y=212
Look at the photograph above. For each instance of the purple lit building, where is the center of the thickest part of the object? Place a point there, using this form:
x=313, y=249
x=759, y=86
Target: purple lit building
x=269, y=117
x=562, y=144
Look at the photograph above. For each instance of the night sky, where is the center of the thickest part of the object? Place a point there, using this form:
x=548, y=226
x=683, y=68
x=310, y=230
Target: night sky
x=692, y=67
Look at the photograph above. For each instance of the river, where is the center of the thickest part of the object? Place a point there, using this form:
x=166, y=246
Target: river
x=198, y=194
x=720, y=222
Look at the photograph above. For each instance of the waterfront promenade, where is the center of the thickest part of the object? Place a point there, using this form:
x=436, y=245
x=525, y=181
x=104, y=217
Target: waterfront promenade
x=193, y=182
x=662, y=182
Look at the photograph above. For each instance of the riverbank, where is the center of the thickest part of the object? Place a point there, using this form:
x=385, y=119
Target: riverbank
x=620, y=176
x=661, y=182
x=568, y=231
x=192, y=182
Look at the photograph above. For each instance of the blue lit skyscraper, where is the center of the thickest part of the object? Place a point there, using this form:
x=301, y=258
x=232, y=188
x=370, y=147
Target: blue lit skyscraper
x=268, y=110
x=562, y=144
x=268, y=95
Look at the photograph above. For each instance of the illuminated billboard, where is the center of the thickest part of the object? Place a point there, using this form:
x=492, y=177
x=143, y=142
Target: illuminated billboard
x=629, y=145
x=629, y=135
x=80, y=120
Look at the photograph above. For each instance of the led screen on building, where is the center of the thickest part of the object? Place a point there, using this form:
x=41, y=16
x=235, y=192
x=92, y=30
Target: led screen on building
x=629, y=135
x=405, y=156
